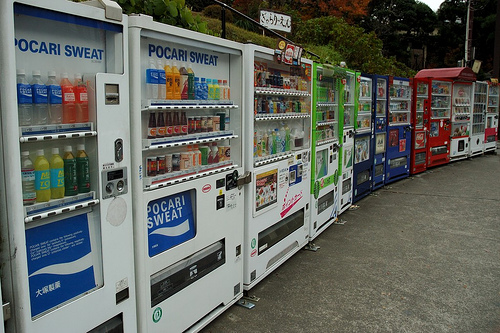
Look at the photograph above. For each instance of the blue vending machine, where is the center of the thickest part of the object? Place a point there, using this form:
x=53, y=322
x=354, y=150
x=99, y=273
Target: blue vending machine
x=379, y=133
x=362, y=137
x=397, y=162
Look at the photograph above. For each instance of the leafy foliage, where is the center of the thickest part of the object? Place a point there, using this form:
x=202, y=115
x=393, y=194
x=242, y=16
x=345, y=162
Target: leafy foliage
x=173, y=12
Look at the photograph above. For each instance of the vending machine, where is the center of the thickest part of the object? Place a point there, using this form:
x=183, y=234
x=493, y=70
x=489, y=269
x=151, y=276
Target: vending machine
x=478, y=119
x=325, y=147
x=439, y=85
x=379, y=134
x=491, y=125
x=420, y=122
x=363, y=158
x=460, y=120
x=350, y=97
x=277, y=202
x=397, y=162
x=67, y=254
x=187, y=158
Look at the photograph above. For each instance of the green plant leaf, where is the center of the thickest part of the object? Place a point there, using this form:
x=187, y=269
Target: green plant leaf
x=172, y=8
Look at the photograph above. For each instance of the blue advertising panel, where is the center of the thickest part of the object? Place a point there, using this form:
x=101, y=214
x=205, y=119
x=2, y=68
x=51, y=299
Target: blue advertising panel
x=170, y=222
x=60, y=265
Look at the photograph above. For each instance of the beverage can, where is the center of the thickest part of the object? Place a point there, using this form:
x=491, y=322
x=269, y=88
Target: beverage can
x=151, y=165
x=168, y=163
x=185, y=161
x=210, y=124
x=204, y=154
x=204, y=124
x=161, y=163
x=176, y=162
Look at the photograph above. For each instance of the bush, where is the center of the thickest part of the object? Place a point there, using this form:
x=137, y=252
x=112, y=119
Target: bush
x=214, y=11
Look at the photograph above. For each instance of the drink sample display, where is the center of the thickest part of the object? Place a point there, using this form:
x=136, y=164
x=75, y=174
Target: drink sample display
x=70, y=178
x=24, y=99
x=42, y=177
x=81, y=100
x=68, y=100
x=54, y=99
x=56, y=175
x=82, y=169
x=28, y=179
x=40, y=107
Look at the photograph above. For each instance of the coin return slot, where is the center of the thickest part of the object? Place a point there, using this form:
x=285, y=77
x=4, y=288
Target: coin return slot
x=112, y=94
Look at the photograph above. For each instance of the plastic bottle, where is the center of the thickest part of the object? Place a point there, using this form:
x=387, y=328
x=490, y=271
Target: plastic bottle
x=28, y=179
x=215, y=153
x=197, y=155
x=169, y=125
x=198, y=90
x=264, y=144
x=216, y=85
x=81, y=100
x=68, y=100
x=191, y=88
x=211, y=89
x=271, y=148
x=82, y=169
x=184, y=123
x=42, y=177
x=177, y=124
x=70, y=179
x=225, y=90
x=184, y=83
x=287, y=137
x=56, y=175
x=24, y=99
x=152, y=80
x=162, y=80
x=169, y=81
x=176, y=81
x=39, y=92
x=283, y=138
x=54, y=96
x=277, y=141
x=204, y=86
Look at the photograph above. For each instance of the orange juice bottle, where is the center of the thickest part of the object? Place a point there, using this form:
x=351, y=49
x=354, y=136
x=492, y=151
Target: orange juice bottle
x=177, y=81
x=169, y=80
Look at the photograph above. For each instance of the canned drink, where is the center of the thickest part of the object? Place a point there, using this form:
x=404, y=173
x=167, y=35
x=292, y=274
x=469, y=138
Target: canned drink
x=168, y=163
x=226, y=153
x=221, y=153
x=176, y=162
x=160, y=165
x=210, y=124
x=204, y=121
x=151, y=166
x=216, y=123
x=204, y=154
x=185, y=161
x=222, y=120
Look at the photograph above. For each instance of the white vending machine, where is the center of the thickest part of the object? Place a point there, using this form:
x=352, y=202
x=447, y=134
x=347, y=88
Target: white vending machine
x=277, y=202
x=478, y=118
x=67, y=255
x=491, y=125
x=187, y=158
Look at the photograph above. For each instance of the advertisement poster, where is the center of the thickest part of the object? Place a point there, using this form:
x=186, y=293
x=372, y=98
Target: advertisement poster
x=419, y=140
x=321, y=163
x=362, y=149
x=402, y=145
x=380, y=143
x=60, y=265
x=266, y=189
x=393, y=138
x=170, y=222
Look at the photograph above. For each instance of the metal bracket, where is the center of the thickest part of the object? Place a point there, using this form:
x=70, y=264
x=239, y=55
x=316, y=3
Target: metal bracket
x=340, y=222
x=312, y=247
x=112, y=10
x=7, y=311
x=245, y=178
x=246, y=304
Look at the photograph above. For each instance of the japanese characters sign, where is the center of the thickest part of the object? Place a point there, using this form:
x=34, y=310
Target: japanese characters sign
x=276, y=21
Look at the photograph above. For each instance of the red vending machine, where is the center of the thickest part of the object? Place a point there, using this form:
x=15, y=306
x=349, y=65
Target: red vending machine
x=420, y=123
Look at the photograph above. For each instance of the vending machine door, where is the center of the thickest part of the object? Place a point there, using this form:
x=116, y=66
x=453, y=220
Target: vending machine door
x=69, y=249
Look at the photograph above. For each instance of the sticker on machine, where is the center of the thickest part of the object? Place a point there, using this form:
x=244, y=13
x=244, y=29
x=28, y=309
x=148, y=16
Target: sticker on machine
x=170, y=222
x=231, y=201
x=60, y=262
x=402, y=145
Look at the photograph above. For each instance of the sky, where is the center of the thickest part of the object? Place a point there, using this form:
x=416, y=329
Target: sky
x=434, y=4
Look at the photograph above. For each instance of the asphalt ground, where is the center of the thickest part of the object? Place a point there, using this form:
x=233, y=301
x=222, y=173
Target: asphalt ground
x=419, y=255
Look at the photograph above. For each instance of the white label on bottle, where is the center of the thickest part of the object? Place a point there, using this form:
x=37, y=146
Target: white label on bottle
x=83, y=97
x=28, y=175
x=69, y=97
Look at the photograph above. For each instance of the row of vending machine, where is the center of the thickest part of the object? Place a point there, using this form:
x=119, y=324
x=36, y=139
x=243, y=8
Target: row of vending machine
x=208, y=163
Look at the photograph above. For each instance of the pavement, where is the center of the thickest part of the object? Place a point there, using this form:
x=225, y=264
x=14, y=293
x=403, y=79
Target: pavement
x=419, y=255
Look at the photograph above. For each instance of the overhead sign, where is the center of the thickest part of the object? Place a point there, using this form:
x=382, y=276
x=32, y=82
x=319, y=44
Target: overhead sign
x=275, y=21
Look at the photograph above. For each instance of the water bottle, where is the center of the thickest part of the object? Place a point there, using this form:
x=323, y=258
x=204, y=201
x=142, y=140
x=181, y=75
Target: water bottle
x=204, y=88
x=24, y=99
x=56, y=164
x=162, y=80
x=198, y=92
x=152, y=80
x=40, y=107
x=28, y=179
x=54, y=95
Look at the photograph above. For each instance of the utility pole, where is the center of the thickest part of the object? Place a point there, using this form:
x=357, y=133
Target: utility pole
x=468, y=32
x=496, y=54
